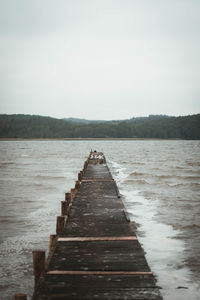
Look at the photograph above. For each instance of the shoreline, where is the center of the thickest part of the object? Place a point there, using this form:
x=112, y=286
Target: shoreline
x=94, y=139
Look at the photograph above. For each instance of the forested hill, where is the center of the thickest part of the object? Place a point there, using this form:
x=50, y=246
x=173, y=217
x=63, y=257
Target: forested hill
x=30, y=126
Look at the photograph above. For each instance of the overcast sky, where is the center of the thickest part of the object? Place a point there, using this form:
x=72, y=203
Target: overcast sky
x=100, y=59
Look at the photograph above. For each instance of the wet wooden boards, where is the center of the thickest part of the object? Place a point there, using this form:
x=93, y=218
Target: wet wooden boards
x=97, y=255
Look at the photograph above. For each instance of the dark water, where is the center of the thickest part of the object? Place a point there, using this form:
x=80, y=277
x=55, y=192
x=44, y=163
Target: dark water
x=160, y=183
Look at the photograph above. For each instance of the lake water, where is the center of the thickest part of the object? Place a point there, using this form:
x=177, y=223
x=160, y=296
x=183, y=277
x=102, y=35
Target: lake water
x=160, y=184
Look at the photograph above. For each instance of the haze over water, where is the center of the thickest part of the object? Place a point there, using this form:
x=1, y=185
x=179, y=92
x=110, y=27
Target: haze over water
x=160, y=184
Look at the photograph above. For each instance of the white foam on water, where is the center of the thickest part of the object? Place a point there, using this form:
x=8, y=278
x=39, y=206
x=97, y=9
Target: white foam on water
x=164, y=252
x=120, y=174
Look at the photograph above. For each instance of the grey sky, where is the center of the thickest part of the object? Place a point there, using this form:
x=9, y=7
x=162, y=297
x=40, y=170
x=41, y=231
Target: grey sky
x=100, y=59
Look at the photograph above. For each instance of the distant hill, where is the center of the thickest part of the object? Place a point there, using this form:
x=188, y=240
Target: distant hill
x=31, y=126
x=134, y=119
x=83, y=121
x=149, y=118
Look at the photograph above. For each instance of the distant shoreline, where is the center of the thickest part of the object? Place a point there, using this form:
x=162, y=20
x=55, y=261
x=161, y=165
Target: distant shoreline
x=93, y=139
x=27, y=127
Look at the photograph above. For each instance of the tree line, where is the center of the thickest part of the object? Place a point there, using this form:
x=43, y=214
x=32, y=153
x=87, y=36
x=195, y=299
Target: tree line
x=164, y=127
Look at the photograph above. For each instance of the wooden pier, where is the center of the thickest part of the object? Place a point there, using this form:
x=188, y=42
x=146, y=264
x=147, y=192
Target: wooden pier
x=95, y=253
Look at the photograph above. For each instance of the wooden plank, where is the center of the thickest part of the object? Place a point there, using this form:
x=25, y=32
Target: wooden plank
x=123, y=255
x=103, y=282
x=103, y=238
x=115, y=294
x=84, y=287
x=98, y=179
x=107, y=273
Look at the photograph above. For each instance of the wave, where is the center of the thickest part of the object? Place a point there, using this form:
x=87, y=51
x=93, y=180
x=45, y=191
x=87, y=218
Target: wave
x=192, y=178
x=169, y=184
x=191, y=226
x=10, y=220
x=162, y=176
x=194, y=164
x=137, y=174
x=165, y=176
x=175, y=184
x=4, y=165
x=45, y=186
x=194, y=184
x=138, y=163
x=125, y=162
x=139, y=181
x=49, y=177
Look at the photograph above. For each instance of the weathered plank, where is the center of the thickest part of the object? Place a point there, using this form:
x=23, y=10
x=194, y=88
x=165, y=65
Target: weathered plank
x=103, y=238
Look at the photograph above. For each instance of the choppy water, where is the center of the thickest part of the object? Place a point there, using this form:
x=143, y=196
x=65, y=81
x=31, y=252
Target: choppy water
x=160, y=184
